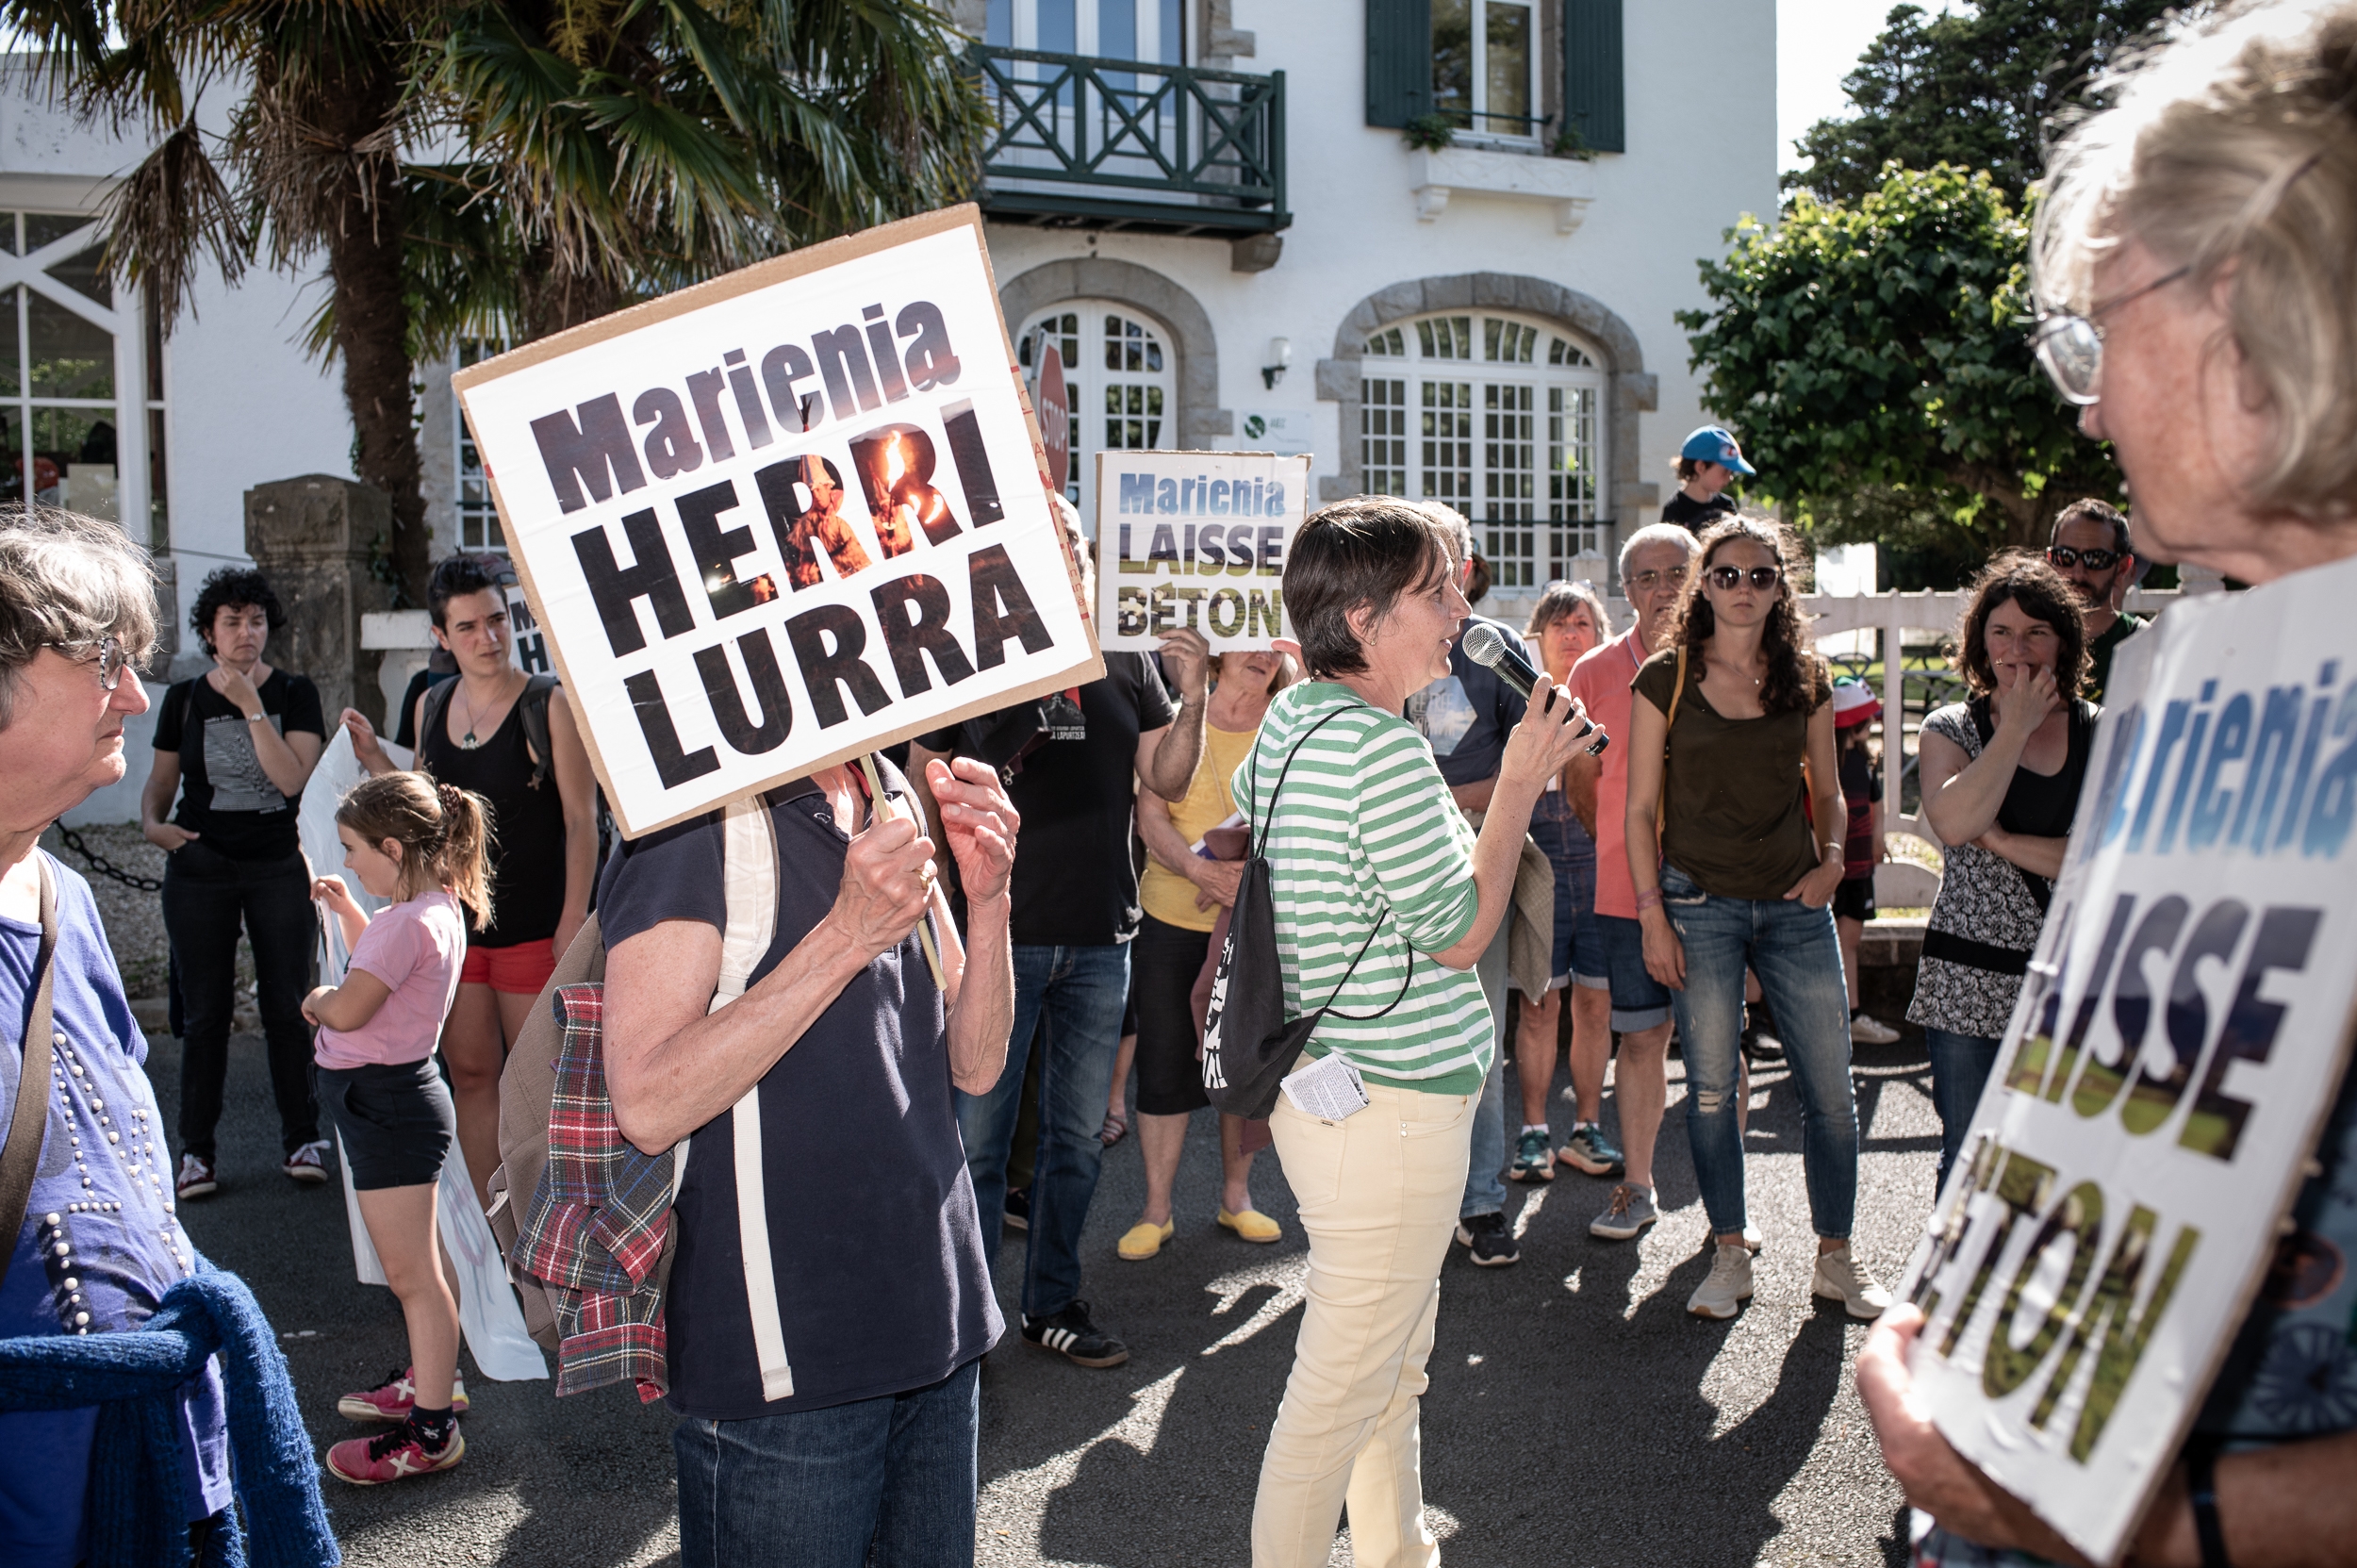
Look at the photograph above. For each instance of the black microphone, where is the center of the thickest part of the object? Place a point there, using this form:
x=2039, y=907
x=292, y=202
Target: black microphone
x=1488, y=648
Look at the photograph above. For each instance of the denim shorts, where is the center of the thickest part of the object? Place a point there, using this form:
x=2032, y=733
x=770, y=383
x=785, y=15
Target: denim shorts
x=1578, y=940
x=1639, y=1000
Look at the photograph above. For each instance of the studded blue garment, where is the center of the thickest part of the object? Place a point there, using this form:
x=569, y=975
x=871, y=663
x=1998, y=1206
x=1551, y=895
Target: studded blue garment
x=101, y=1243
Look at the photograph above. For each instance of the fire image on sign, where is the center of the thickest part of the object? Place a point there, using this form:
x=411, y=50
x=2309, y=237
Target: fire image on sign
x=1194, y=539
x=783, y=519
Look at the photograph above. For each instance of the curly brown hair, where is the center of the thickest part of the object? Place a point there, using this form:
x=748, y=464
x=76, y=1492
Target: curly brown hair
x=2023, y=577
x=1796, y=676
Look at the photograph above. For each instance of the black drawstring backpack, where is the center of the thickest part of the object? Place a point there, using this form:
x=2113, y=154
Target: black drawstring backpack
x=1248, y=1043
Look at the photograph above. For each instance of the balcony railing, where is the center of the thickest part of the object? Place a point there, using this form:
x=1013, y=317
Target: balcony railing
x=1109, y=143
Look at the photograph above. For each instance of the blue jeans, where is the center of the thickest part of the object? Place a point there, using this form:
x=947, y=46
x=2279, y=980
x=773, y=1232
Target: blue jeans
x=1073, y=997
x=1797, y=956
x=1485, y=1183
x=1960, y=1068
x=816, y=1488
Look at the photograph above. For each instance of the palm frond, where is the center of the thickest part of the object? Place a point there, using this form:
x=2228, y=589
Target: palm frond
x=171, y=208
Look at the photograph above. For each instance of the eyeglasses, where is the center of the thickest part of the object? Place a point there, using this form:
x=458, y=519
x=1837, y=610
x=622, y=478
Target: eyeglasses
x=112, y=660
x=1648, y=581
x=2071, y=345
x=1763, y=578
x=2094, y=560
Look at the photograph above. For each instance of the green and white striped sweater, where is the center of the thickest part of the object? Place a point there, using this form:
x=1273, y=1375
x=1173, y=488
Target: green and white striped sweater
x=1364, y=823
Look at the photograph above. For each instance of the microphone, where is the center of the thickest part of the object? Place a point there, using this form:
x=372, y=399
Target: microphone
x=1486, y=646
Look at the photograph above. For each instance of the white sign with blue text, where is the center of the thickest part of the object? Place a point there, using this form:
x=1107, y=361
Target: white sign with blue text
x=2178, y=1044
x=778, y=519
x=1196, y=540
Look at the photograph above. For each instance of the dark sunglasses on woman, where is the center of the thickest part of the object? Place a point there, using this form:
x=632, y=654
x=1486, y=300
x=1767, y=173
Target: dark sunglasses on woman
x=2094, y=560
x=1727, y=578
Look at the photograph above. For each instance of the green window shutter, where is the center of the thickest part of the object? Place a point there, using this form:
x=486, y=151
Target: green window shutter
x=1595, y=98
x=1399, y=60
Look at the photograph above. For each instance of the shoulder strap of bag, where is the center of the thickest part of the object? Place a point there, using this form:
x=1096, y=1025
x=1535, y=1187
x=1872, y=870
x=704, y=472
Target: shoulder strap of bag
x=20, y=1157
x=533, y=707
x=1662, y=806
x=748, y=868
x=1262, y=830
x=431, y=707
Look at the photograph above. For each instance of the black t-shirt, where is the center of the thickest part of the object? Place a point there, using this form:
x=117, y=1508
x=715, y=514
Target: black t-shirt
x=1466, y=714
x=2099, y=652
x=1693, y=515
x=226, y=797
x=1075, y=884
x=874, y=1246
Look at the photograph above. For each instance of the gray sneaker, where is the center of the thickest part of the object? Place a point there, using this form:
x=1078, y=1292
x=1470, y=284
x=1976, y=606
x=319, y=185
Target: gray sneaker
x=1590, y=1151
x=1841, y=1277
x=1728, y=1287
x=1625, y=1214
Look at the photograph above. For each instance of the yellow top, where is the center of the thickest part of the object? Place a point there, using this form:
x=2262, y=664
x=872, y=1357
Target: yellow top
x=1167, y=896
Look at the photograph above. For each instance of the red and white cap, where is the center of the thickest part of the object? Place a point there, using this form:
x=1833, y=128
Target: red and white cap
x=1855, y=702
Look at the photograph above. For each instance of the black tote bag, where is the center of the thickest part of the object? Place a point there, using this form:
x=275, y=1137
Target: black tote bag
x=1249, y=1043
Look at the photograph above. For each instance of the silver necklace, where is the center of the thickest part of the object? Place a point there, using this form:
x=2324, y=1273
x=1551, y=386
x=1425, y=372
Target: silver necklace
x=468, y=741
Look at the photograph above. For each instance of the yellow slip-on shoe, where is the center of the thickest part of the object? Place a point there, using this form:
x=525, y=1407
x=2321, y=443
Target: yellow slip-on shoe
x=1144, y=1239
x=1252, y=1225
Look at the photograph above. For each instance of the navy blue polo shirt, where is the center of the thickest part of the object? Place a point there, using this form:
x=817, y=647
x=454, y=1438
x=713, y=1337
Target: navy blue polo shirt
x=876, y=1253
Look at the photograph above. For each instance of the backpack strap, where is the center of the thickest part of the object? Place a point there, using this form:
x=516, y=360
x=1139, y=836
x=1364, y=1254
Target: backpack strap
x=1259, y=838
x=534, y=708
x=431, y=708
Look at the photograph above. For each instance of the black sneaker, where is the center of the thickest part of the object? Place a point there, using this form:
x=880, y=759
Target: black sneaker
x=1492, y=1243
x=1070, y=1332
x=1018, y=1208
x=1760, y=1046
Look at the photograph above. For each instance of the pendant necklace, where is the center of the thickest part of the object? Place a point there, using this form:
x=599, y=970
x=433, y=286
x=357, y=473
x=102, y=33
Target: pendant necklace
x=468, y=741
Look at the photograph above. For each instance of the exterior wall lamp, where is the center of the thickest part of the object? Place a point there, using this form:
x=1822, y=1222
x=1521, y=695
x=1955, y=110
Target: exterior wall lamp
x=1280, y=354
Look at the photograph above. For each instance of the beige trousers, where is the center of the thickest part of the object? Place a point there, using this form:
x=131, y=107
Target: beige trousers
x=1379, y=1195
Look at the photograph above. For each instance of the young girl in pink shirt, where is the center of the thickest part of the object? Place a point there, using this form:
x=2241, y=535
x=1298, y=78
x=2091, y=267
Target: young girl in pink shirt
x=421, y=845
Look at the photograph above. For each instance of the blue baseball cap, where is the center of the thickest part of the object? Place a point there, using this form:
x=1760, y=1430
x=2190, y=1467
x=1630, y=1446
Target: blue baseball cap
x=1712, y=443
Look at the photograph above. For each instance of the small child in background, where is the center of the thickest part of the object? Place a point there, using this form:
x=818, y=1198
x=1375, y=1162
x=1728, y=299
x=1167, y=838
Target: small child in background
x=421, y=846
x=1854, y=709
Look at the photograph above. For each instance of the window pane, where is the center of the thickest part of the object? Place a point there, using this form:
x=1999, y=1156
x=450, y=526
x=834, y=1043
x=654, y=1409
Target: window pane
x=70, y=357
x=80, y=273
x=1571, y=477
x=63, y=437
x=11, y=374
x=1445, y=337
x=1058, y=26
x=1508, y=485
x=1507, y=342
x=1387, y=342
x=1506, y=66
x=1383, y=436
x=42, y=230
x=158, y=510
x=1453, y=60
x=8, y=232
x=478, y=518
x=1448, y=442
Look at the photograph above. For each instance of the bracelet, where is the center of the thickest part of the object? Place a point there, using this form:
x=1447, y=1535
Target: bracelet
x=1649, y=898
x=2202, y=1487
x=257, y=718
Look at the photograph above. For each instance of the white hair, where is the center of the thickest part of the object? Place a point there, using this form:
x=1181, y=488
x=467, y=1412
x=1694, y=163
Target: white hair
x=1655, y=533
x=68, y=579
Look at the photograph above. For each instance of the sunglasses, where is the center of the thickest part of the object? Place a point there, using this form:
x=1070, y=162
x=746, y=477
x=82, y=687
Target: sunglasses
x=2071, y=345
x=2094, y=560
x=112, y=660
x=1728, y=578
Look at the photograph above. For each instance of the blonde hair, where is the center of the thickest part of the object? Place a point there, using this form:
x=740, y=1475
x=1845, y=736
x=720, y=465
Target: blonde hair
x=2231, y=149
x=71, y=580
x=444, y=833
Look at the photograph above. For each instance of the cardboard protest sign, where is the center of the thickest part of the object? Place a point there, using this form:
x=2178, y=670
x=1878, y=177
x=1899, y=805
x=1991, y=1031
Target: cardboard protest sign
x=784, y=517
x=1194, y=539
x=2178, y=1041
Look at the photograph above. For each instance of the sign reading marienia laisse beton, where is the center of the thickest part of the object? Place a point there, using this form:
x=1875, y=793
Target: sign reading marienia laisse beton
x=1194, y=539
x=2178, y=1044
x=783, y=517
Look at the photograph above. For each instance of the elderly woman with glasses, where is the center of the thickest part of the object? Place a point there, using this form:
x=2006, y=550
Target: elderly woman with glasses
x=1736, y=856
x=2196, y=247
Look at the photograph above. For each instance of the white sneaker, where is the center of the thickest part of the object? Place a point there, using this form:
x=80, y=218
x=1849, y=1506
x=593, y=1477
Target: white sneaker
x=1753, y=1239
x=1729, y=1285
x=1841, y=1277
x=1871, y=1031
x=307, y=1165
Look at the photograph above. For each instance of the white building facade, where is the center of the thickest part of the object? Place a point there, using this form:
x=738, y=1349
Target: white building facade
x=1210, y=206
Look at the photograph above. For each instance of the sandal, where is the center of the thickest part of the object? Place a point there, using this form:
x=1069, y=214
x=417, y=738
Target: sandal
x=1115, y=1128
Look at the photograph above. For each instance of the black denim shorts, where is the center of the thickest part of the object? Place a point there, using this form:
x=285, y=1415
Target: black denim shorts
x=395, y=1120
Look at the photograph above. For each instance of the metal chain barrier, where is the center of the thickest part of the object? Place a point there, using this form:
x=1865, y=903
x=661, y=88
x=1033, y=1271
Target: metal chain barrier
x=104, y=867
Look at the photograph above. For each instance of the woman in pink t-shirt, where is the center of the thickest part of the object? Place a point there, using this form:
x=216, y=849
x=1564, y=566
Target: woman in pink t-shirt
x=422, y=845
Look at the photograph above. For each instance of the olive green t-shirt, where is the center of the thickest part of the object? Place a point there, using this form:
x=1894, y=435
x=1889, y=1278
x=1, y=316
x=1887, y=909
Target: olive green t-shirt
x=1736, y=820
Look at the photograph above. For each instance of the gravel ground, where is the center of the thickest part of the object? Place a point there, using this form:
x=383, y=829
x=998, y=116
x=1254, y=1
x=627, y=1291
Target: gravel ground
x=1577, y=1415
x=135, y=917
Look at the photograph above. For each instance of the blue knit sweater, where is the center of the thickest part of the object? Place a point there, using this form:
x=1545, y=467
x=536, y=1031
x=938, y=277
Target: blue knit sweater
x=135, y=1377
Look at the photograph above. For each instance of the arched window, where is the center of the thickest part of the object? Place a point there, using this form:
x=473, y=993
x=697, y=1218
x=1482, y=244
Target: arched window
x=1120, y=379
x=1498, y=415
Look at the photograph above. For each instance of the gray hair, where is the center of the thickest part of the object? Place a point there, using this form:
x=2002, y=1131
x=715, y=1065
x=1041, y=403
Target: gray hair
x=70, y=579
x=1654, y=533
x=2231, y=149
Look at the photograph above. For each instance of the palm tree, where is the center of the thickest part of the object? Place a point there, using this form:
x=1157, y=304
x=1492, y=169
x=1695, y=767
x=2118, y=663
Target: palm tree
x=473, y=169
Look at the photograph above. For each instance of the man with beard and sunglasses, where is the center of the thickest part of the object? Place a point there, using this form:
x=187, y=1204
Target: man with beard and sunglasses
x=2089, y=547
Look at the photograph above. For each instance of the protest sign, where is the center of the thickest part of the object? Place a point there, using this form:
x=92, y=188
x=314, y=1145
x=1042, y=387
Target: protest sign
x=778, y=519
x=2178, y=1041
x=1194, y=539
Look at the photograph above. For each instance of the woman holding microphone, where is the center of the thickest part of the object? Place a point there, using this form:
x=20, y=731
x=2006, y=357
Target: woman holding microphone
x=1384, y=901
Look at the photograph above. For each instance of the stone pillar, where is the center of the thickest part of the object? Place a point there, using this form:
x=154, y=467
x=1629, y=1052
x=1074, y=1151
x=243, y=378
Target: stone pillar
x=314, y=537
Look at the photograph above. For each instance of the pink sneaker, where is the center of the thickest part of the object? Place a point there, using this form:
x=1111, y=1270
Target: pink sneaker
x=391, y=1456
x=395, y=1399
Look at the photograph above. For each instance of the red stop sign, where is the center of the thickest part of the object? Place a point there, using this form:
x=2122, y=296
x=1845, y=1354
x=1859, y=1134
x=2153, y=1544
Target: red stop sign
x=1054, y=408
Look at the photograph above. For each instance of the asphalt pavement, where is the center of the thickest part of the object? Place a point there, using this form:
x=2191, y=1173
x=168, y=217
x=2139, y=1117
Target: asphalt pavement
x=1577, y=1415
